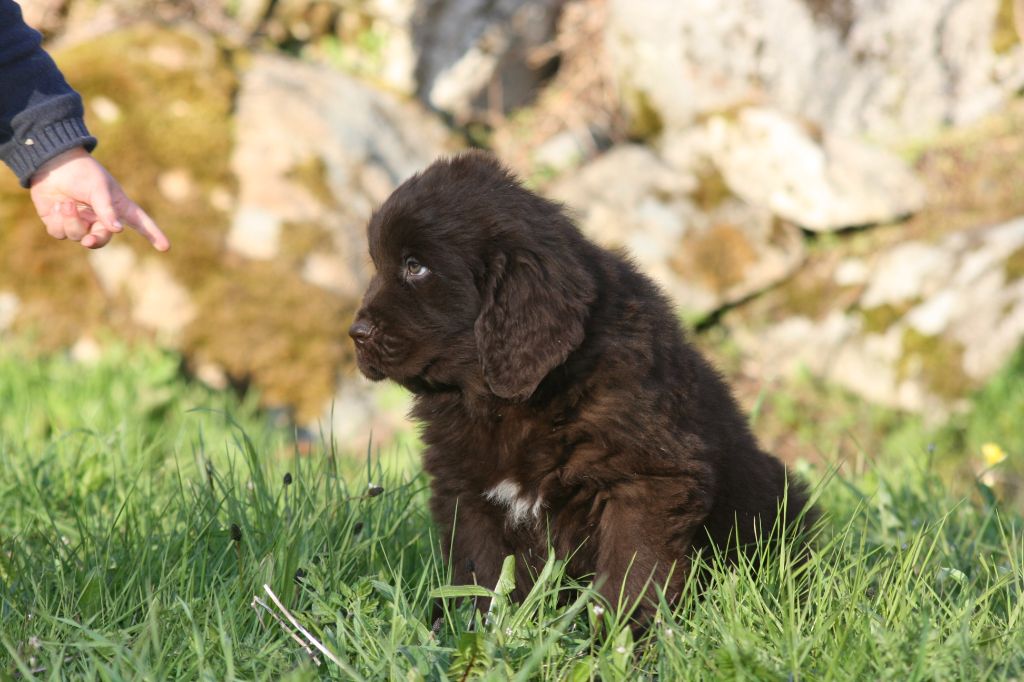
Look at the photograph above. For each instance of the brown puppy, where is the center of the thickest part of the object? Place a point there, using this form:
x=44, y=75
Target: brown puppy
x=561, y=404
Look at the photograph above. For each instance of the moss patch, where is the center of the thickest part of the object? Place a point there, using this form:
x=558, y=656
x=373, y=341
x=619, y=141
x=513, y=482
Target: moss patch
x=1014, y=265
x=712, y=189
x=298, y=240
x=810, y=293
x=718, y=257
x=644, y=120
x=971, y=174
x=938, y=361
x=267, y=326
x=1004, y=32
x=157, y=100
x=312, y=174
x=879, y=319
x=60, y=296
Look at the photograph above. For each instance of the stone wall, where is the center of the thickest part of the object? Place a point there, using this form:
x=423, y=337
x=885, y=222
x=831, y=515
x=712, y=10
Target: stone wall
x=833, y=182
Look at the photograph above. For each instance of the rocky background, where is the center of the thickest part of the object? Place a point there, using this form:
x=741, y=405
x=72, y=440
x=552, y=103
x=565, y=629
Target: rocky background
x=828, y=188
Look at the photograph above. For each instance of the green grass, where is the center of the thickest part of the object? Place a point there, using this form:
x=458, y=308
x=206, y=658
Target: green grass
x=140, y=516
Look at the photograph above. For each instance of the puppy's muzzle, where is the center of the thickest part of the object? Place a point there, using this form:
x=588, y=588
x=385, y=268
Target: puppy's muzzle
x=362, y=331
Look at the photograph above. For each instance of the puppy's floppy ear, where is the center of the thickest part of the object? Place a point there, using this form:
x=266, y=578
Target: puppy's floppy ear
x=533, y=315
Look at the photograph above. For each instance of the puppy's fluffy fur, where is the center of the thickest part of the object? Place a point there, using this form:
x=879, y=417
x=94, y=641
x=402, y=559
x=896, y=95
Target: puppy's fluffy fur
x=561, y=404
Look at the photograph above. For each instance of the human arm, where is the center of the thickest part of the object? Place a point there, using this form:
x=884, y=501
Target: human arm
x=44, y=140
x=40, y=115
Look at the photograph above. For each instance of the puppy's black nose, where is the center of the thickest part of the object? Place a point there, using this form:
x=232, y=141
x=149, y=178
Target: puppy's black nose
x=360, y=331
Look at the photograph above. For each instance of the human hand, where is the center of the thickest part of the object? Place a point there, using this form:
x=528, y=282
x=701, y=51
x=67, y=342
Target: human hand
x=79, y=200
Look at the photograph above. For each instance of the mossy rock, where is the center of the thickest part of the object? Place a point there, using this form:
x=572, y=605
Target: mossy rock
x=644, y=120
x=717, y=257
x=161, y=101
x=712, y=189
x=812, y=293
x=267, y=327
x=1004, y=33
x=938, y=363
x=972, y=175
x=1014, y=265
x=879, y=319
x=302, y=238
x=60, y=296
x=312, y=174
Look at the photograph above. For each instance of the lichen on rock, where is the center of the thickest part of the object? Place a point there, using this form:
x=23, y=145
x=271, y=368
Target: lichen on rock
x=1005, y=32
x=706, y=247
x=1014, y=265
x=936, y=362
x=719, y=257
x=880, y=318
x=929, y=322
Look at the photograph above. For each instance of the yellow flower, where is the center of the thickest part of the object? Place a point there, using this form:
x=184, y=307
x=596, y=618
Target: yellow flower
x=993, y=454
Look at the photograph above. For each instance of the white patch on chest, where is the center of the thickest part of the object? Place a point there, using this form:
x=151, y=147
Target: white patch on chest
x=520, y=508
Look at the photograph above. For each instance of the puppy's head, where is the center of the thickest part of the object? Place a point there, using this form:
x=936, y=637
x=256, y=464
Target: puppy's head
x=477, y=278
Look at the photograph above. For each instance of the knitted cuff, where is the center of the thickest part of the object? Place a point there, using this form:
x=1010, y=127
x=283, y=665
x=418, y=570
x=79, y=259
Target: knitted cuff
x=35, y=150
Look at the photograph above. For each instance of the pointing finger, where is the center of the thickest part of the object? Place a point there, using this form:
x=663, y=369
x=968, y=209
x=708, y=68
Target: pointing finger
x=140, y=221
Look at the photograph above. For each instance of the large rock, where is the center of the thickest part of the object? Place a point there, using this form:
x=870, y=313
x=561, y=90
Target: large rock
x=770, y=160
x=706, y=247
x=914, y=327
x=887, y=68
x=467, y=58
x=313, y=170
x=476, y=54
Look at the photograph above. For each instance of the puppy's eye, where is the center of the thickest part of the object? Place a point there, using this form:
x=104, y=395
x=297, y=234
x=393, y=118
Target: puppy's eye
x=415, y=269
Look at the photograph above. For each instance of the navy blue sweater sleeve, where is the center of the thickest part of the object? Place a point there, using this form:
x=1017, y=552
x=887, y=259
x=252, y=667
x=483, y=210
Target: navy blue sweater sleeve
x=40, y=115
